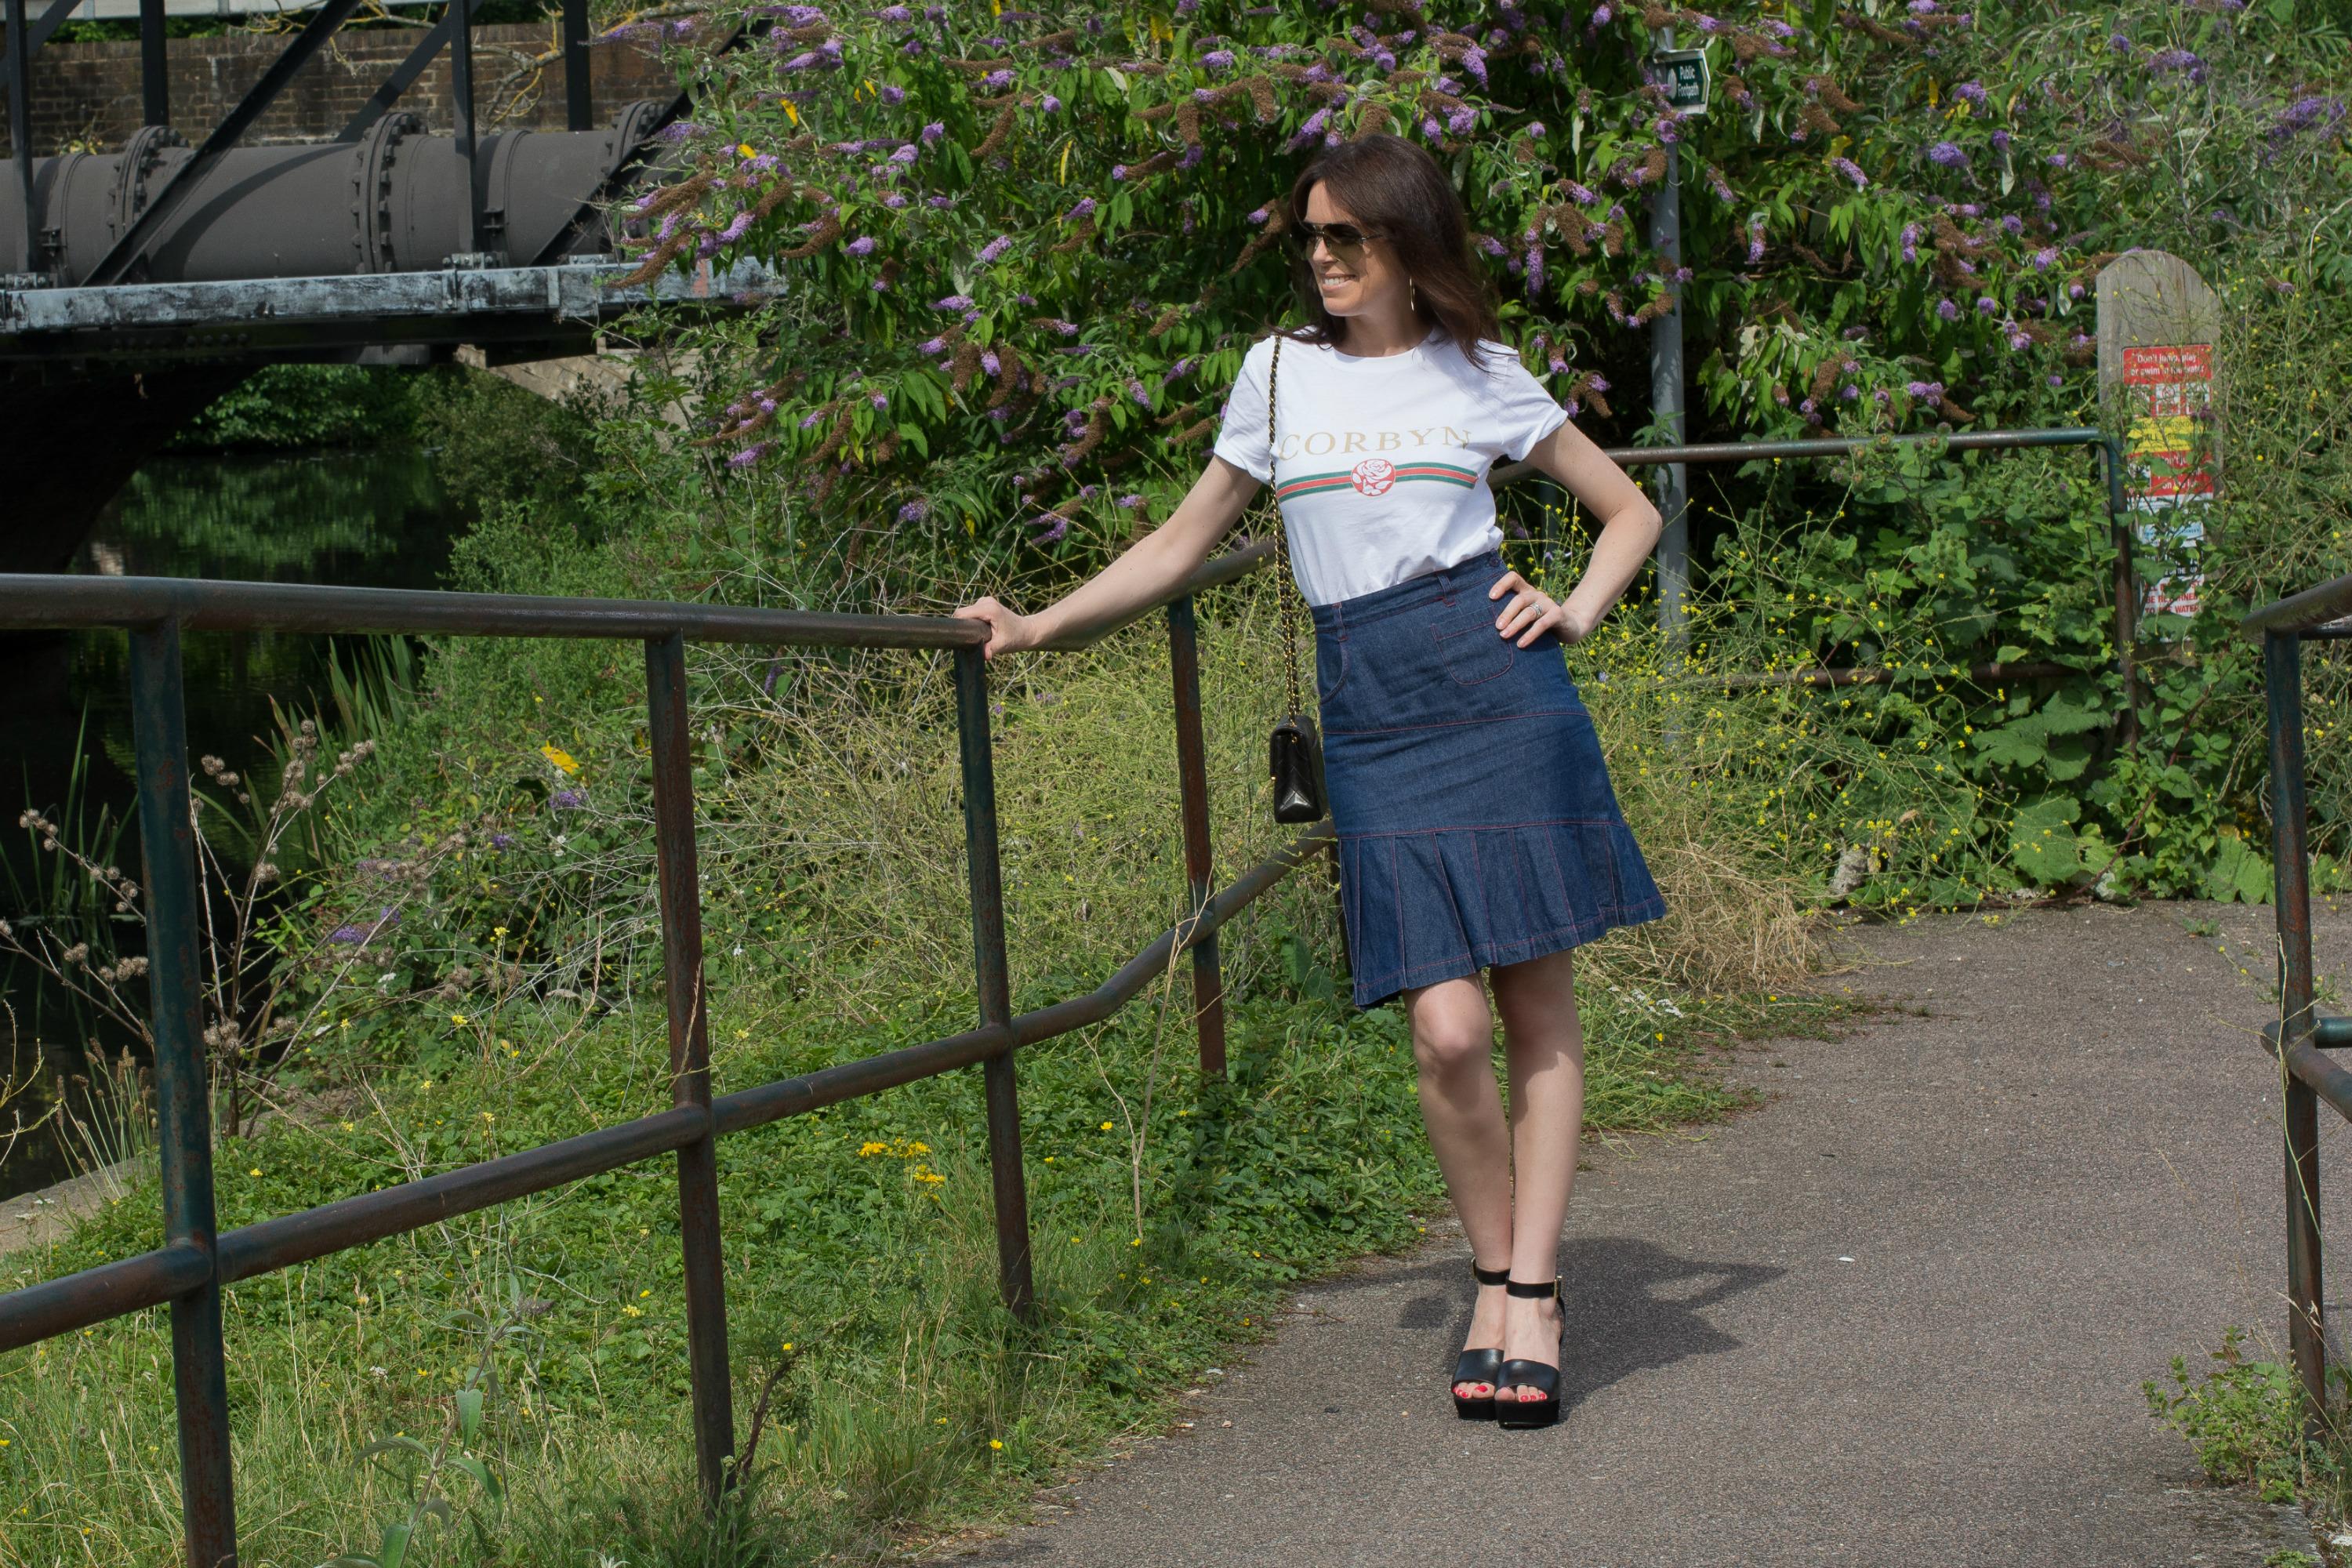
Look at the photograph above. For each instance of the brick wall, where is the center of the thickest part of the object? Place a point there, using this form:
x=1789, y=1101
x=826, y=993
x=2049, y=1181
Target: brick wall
x=87, y=96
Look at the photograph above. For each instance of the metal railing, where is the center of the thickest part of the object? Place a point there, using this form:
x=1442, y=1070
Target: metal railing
x=2299, y=1038
x=197, y=1260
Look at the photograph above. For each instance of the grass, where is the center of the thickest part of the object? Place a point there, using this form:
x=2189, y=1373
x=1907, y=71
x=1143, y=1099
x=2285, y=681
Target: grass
x=898, y=1400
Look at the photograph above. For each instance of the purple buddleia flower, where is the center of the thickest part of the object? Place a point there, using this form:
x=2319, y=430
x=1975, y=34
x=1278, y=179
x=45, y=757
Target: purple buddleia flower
x=933, y=131
x=862, y=245
x=1430, y=128
x=1135, y=389
x=880, y=400
x=1755, y=244
x=1129, y=502
x=502, y=840
x=1849, y=392
x=1925, y=391
x=1490, y=244
x=1910, y=242
x=895, y=200
x=914, y=511
x=1474, y=62
x=1852, y=170
x=941, y=203
x=989, y=362
x=748, y=455
x=2043, y=257
x=569, y=800
x=2166, y=62
x=1987, y=305
x=1179, y=370
x=1973, y=92
x=905, y=155
x=1084, y=208
x=994, y=248
x=1191, y=158
x=2073, y=290
x=1948, y=310
x=2118, y=42
x=1218, y=59
x=1949, y=155
x=2306, y=114
x=997, y=81
x=1119, y=171
x=953, y=302
x=932, y=346
x=2059, y=160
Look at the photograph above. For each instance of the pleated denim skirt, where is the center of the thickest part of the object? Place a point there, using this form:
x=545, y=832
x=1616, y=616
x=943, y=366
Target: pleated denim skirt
x=1475, y=821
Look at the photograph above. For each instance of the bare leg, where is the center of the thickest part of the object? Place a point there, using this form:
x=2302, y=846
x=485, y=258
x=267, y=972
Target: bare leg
x=1462, y=1107
x=1543, y=1040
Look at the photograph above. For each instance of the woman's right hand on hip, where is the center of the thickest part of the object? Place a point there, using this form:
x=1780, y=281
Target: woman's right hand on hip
x=1009, y=631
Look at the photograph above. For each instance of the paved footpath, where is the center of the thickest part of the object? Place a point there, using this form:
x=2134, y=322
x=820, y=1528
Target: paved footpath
x=1897, y=1315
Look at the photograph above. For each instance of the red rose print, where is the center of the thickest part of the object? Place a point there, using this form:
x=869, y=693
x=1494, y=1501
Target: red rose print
x=1373, y=476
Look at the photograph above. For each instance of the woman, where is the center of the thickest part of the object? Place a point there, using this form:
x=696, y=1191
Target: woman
x=1477, y=829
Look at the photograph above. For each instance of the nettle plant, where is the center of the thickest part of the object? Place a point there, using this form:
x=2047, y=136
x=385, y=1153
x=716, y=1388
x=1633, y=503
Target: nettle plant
x=1025, y=247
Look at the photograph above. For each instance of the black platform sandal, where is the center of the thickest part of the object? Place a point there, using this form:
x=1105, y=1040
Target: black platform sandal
x=1519, y=1372
x=1479, y=1365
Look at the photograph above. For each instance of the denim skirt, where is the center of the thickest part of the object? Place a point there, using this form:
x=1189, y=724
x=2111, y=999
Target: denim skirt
x=1475, y=821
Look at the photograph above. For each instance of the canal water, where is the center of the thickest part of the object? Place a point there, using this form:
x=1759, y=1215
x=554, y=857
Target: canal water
x=370, y=518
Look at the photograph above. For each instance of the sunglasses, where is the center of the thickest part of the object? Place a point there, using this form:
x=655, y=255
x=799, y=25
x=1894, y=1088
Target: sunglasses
x=1345, y=239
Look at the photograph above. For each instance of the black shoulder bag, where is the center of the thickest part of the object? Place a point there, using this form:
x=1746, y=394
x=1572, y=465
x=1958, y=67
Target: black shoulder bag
x=1294, y=749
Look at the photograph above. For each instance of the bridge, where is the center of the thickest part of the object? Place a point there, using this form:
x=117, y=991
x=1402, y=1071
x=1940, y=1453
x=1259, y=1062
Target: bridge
x=137, y=286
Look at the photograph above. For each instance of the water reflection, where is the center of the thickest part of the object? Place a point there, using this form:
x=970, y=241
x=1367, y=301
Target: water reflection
x=373, y=518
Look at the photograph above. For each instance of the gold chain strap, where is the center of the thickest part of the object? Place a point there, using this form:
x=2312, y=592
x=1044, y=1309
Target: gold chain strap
x=1288, y=588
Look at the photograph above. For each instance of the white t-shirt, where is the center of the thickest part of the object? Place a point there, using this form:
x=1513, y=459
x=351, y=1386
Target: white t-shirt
x=1380, y=466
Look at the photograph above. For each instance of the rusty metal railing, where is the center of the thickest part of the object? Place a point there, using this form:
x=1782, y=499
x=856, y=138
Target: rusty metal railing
x=197, y=1260
x=2299, y=1038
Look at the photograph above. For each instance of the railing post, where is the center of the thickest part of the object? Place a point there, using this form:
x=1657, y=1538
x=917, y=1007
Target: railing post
x=2127, y=592
x=461, y=101
x=182, y=1100
x=2283, y=681
x=578, y=107
x=689, y=1060
x=1193, y=787
x=1010, y=1187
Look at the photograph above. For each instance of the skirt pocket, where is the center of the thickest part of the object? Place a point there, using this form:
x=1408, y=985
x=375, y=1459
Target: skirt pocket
x=1472, y=654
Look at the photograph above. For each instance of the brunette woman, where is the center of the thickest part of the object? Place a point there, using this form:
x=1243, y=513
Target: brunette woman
x=1477, y=830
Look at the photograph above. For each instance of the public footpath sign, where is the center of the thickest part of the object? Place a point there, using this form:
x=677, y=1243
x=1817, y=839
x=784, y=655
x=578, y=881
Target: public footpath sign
x=1683, y=75
x=2158, y=325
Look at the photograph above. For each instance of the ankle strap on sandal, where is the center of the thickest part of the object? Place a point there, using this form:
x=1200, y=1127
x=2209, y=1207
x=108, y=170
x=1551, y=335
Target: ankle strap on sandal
x=1490, y=1276
x=1520, y=1288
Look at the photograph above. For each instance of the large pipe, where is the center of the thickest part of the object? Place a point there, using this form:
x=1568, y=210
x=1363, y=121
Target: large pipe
x=394, y=201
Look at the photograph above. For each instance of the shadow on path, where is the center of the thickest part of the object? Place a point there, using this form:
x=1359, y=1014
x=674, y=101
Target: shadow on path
x=1631, y=1306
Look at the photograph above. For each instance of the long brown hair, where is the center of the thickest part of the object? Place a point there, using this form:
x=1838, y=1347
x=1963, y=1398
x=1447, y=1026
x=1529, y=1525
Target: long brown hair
x=1396, y=190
